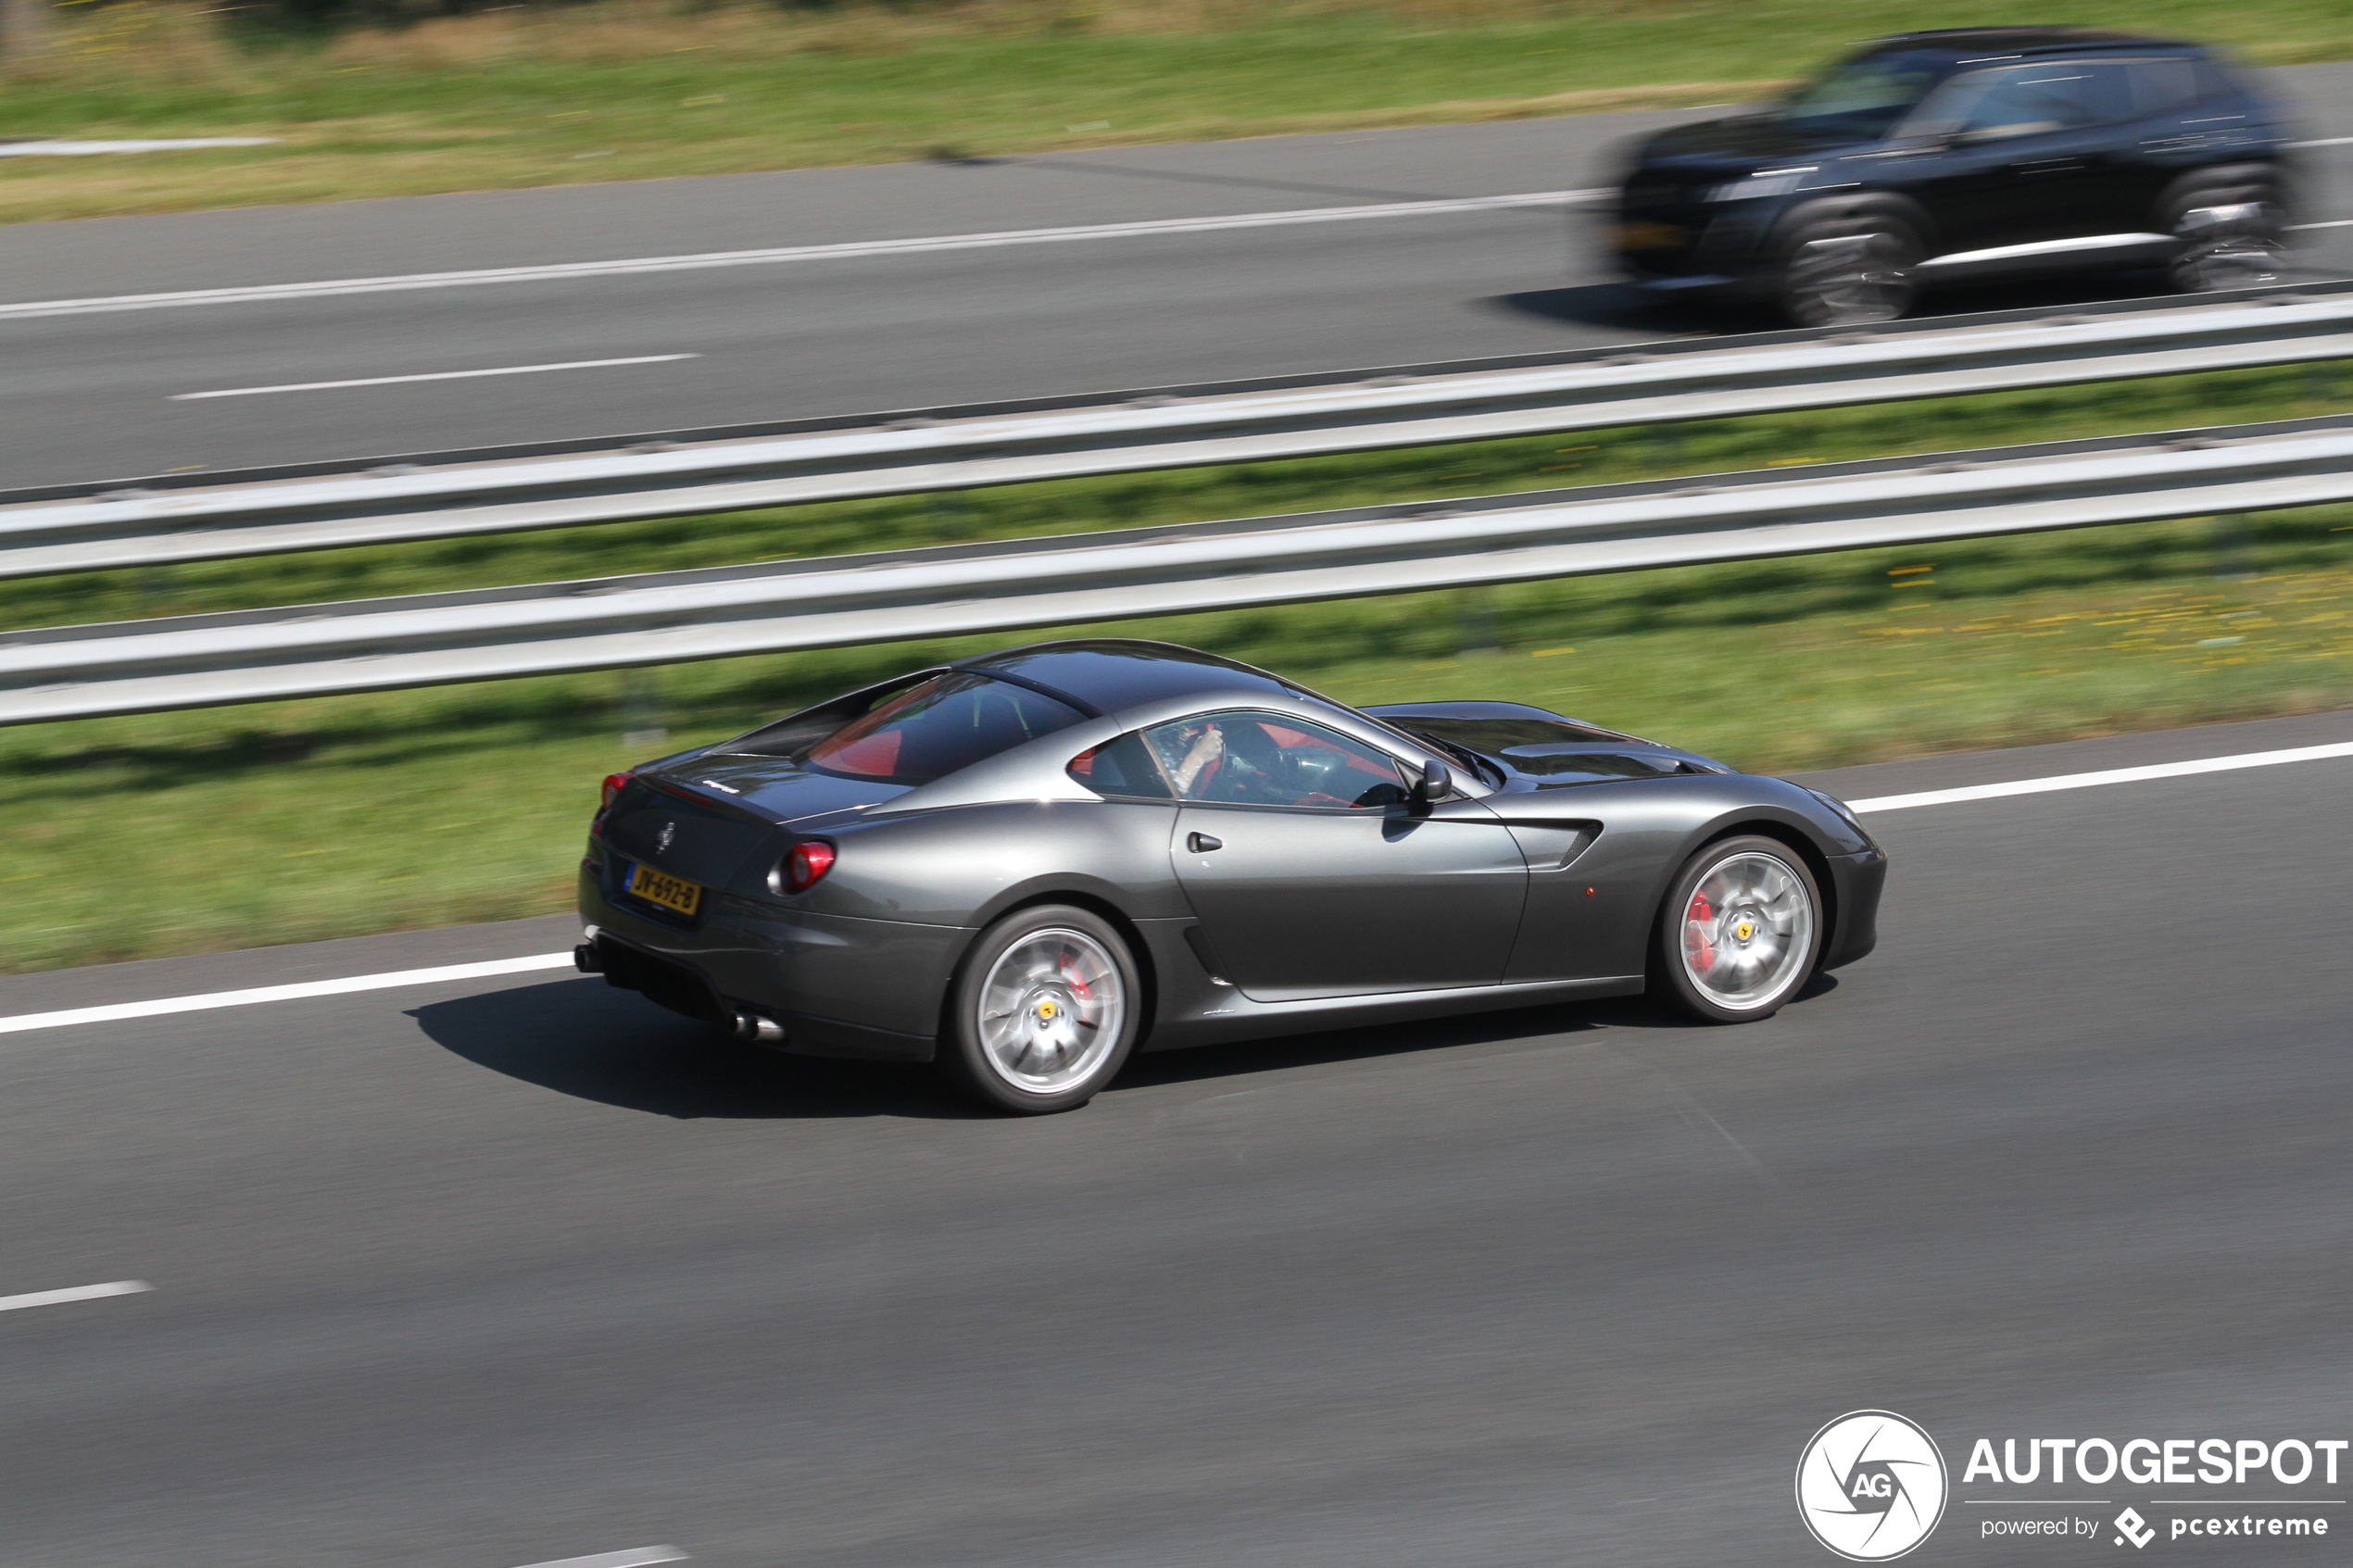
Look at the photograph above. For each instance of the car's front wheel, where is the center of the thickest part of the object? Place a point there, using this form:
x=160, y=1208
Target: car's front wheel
x=1840, y=275
x=1740, y=932
x=1045, y=1009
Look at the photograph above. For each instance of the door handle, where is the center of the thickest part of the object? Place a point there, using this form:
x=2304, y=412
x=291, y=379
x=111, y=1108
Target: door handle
x=1202, y=843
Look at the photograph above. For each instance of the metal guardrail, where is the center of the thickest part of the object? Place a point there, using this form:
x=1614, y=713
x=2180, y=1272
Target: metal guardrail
x=254, y=655
x=963, y=448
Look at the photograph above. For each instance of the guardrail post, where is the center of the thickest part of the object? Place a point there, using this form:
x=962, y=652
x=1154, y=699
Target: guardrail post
x=2233, y=544
x=642, y=720
x=951, y=516
x=1474, y=630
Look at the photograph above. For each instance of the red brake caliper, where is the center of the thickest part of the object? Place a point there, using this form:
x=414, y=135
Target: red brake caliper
x=1696, y=922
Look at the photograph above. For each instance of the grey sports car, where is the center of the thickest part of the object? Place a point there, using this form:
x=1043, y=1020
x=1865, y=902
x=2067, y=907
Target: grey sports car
x=1025, y=866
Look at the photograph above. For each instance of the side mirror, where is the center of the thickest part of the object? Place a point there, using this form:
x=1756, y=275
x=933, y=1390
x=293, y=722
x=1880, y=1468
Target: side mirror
x=1433, y=786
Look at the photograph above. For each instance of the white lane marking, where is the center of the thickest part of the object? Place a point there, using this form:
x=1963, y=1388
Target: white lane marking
x=537, y=961
x=75, y=1293
x=85, y=149
x=432, y=375
x=558, y=271
x=2090, y=781
x=638, y=1558
x=165, y=1006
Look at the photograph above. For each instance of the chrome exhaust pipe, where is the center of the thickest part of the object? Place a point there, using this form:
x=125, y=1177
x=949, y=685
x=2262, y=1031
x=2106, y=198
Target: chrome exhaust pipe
x=755, y=1030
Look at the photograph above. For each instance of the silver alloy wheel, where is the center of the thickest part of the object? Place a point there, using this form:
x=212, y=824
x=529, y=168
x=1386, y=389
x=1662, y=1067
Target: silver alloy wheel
x=1850, y=279
x=1051, y=1009
x=1747, y=930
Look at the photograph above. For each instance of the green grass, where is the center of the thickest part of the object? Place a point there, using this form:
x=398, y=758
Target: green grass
x=137, y=837
x=635, y=90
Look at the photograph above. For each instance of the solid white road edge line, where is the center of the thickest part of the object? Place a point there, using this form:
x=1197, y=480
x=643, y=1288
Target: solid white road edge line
x=638, y=1558
x=77, y=1293
x=166, y=1006
x=2089, y=781
x=430, y=375
x=558, y=271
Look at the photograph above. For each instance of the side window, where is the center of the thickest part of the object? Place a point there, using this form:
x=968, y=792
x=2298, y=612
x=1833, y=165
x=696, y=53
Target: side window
x=1122, y=768
x=2163, y=86
x=1253, y=760
x=1991, y=106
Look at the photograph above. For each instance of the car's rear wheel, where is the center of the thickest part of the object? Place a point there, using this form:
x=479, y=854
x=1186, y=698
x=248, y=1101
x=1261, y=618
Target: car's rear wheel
x=1740, y=932
x=1849, y=274
x=1045, y=1009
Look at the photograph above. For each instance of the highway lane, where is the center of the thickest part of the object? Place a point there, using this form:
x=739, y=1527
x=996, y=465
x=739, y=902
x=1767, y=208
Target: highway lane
x=494, y=1274
x=91, y=397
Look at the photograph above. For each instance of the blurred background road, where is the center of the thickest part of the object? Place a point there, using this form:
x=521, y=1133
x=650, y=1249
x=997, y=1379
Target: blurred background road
x=497, y=1272
x=92, y=396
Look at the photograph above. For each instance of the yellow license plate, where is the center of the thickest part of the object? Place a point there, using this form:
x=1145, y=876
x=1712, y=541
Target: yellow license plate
x=659, y=887
x=1650, y=236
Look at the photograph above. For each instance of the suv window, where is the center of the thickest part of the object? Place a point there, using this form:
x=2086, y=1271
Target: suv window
x=1989, y=105
x=1251, y=760
x=2162, y=86
x=928, y=731
x=1864, y=96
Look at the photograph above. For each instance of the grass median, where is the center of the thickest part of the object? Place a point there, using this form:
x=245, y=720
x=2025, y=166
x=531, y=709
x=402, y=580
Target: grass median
x=639, y=89
x=179, y=833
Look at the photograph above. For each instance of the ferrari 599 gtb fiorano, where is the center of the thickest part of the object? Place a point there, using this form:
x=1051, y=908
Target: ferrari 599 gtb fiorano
x=1025, y=867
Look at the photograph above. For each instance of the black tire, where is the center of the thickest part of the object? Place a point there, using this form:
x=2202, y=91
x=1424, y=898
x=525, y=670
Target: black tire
x=1044, y=1012
x=1777, y=930
x=1851, y=272
x=2231, y=237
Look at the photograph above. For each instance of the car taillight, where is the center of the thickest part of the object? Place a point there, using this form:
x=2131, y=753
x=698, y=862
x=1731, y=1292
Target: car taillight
x=807, y=865
x=614, y=784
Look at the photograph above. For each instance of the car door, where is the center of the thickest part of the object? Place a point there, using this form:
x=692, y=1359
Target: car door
x=2032, y=155
x=1313, y=874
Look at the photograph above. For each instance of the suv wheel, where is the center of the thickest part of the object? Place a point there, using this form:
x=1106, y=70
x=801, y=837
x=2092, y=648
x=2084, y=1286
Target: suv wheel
x=2239, y=244
x=1849, y=275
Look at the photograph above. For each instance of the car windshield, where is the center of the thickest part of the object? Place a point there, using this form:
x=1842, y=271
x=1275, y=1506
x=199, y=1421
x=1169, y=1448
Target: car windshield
x=923, y=733
x=1865, y=96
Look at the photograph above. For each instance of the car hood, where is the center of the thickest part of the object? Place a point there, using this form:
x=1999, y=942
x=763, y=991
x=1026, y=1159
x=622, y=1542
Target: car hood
x=1535, y=748
x=1739, y=144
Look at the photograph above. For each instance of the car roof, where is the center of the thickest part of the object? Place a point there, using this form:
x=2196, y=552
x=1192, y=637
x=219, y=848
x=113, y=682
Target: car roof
x=1105, y=674
x=1964, y=40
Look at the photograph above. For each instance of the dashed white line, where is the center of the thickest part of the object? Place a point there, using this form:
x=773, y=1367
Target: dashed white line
x=430, y=375
x=166, y=1006
x=568, y=270
x=74, y=1293
x=2105, y=776
x=86, y=149
x=638, y=1558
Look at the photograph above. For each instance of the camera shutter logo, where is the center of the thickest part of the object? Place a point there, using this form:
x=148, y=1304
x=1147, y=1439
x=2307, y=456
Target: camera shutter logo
x=1871, y=1486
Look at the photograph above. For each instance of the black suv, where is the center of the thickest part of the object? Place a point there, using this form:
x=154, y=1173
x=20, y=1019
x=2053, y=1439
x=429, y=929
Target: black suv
x=1965, y=156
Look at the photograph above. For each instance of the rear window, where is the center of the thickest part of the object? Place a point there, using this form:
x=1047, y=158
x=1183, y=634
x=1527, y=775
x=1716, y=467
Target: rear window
x=926, y=731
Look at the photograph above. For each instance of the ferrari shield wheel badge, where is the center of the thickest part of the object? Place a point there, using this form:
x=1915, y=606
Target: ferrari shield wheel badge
x=1870, y=1486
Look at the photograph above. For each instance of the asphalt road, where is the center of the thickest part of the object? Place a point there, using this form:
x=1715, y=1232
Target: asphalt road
x=91, y=397
x=493, y=1274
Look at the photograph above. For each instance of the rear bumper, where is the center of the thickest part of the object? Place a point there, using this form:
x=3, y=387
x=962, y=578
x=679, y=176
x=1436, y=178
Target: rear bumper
x=839, y=987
